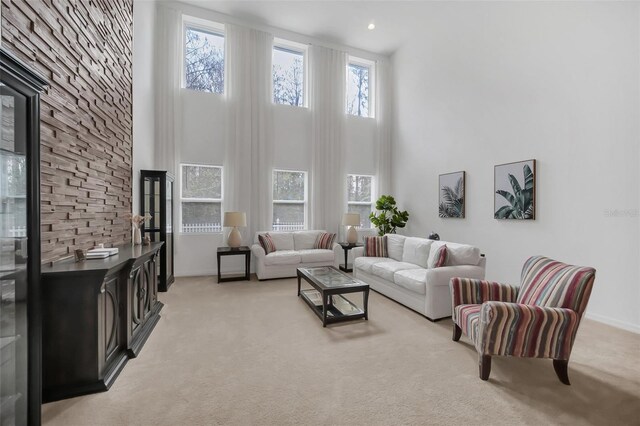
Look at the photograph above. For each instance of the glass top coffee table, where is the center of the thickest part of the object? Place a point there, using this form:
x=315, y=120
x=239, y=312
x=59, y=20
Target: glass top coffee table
x=325, y=298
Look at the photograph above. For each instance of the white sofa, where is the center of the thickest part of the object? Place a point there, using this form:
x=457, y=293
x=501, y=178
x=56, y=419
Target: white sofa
x=294, y=249
x=404, y=276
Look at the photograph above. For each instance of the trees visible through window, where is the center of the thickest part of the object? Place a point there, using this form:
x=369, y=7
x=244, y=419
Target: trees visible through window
x=288, y=76
x=289, y=200
x=204, y=60
x=358, y=96
x=201, y=198
x=360, y=197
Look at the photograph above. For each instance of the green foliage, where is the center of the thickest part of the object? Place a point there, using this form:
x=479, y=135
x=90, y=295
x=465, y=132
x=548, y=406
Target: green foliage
x=453, y=205
x=520, y=201
x=387, y=216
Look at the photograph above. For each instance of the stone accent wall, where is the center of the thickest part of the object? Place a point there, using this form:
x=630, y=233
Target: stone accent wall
x=84, y=49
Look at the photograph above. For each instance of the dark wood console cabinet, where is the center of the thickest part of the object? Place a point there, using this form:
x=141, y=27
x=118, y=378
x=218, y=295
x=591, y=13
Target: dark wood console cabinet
x=96, y=314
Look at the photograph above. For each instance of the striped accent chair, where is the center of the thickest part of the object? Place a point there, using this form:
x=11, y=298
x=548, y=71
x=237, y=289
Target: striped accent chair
x=539, y=319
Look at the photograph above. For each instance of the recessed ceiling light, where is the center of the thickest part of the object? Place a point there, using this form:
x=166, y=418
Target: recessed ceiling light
x=372, y=26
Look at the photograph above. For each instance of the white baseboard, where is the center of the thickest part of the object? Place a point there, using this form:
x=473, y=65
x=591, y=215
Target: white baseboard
x=614, y=322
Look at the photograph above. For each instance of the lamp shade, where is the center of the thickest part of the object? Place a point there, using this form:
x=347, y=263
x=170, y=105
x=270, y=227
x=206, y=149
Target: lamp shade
x=351, y=219
x=234, y=219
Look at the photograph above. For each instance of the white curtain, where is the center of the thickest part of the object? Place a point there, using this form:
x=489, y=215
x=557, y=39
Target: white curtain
x=328, y=69
x=168, y=102
x=250, y=140
x=383, y=120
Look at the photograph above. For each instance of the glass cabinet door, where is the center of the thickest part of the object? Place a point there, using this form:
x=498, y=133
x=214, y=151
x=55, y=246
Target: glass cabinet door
x=13, y=258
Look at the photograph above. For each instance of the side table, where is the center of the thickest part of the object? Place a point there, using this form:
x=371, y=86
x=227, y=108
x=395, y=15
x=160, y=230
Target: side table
x=230, y=251
x=347, y=267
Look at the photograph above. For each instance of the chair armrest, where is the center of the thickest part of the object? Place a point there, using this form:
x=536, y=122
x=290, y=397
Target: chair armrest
x=258, y=251
x=526, y=330
x=469, y=291
x=442, y=276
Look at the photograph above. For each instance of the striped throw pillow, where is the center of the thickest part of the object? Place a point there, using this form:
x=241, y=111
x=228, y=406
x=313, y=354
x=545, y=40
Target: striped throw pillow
x=266, y=242
x=325, y=241
x=375, y=246
x=441, y=257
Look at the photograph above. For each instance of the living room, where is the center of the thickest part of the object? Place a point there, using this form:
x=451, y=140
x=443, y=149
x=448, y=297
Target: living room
x=172, y=130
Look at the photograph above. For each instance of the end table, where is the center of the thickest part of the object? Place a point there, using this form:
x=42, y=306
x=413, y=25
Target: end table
x=230, y=251
x=347, y=267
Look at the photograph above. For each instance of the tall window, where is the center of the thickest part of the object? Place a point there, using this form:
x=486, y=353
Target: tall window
x=203, y=59
x=289, y=200
x=360, y=197
x=201, y=198
x=359, y=87
x=288, y=75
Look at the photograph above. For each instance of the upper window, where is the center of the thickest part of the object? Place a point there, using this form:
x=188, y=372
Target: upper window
x=360, y=197
x=203, y=59
x=201, y=198
x=288, y=74
x=359, y=88
x=289, y=200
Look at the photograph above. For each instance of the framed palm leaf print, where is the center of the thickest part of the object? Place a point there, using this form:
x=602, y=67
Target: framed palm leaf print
x=451, y=190
x=514, y=191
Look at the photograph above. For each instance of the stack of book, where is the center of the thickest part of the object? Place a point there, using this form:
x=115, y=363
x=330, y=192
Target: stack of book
x=101, y=253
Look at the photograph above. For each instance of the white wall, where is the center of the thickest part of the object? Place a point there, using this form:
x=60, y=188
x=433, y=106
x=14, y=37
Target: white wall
x=144, y=23
x=490, y=83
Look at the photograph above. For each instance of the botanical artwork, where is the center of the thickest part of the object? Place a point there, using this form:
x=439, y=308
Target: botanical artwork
x=515, y=190
x=451, y=190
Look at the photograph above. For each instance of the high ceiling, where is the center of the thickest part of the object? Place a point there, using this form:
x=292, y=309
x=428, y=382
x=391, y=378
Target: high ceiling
x=341, y=22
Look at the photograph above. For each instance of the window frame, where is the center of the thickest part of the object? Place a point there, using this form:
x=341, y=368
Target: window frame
x=305, y=200
x=201, y=200
x=299, y=48
x=371, y=65
x=363, y=203
x=206, y=26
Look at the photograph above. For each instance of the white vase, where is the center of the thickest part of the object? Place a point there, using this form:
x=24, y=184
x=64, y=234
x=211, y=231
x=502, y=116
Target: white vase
x=137, y=236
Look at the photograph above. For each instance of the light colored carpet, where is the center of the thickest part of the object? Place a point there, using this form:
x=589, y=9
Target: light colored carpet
x=253, y=353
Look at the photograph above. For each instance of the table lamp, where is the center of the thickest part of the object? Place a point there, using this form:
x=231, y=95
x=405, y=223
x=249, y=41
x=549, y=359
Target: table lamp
x=351, y=220
x=234, y=219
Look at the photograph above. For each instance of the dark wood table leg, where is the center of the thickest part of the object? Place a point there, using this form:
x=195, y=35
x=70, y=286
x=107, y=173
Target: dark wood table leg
x=346, y=257
x=324, y=309
x=219, y=276
x=366, y=304
x=299, y=285
x=247, y=266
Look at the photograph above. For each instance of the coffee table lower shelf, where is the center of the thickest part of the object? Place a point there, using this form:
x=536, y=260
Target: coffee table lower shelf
x=339, y=307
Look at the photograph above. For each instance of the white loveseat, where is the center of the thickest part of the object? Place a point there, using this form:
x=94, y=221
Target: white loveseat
x=404, y=276
x=294, y=249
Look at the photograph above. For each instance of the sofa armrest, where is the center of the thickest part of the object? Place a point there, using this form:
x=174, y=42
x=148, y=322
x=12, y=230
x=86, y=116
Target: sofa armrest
x=520, y=330
x=258, y=251
x=441, y=276
x=469, y=291
x=357, y=252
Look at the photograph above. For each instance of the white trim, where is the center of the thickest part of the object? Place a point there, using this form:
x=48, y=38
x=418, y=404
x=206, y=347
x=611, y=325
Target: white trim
x=614, y=322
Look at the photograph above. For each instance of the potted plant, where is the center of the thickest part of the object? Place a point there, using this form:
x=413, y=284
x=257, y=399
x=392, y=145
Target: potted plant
x=387, y=216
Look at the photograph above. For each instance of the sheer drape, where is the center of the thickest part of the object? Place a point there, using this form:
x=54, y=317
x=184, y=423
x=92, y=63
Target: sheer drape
x=328, y=178
x=249, y=144
x=383, y=120
x=168, y=102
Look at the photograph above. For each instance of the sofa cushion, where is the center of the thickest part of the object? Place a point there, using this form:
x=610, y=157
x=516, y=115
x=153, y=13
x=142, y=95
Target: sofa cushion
x=282, y=240
x=324, y=241
x=304, y=240
x=395, y=246
x=440, y=259
x=316, y=255
x=282, y=257
x=412, y=279
x=458, y=254
x=385, y=270
x=416, y=250
x=365, y=264
x=375, y=246
x=267, y=243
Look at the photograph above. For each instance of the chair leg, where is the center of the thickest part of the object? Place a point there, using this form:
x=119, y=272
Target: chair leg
x=457, y=332
x=560, y=365
x=484, y=362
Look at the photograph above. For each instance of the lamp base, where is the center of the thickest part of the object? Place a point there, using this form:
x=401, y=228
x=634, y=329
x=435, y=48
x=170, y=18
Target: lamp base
x=352, y=235
x=235, y=239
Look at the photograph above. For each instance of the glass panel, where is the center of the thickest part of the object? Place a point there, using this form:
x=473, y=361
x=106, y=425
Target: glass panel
x=201, y=182
x=204, y=61
x=288, y=77
x=288, y=216
x=169, y=212
x=359, y=188
x=13, y=258
x=201, y=217
x=364, y=210
x=330, y=277
x=358, y=90
x=288, y=185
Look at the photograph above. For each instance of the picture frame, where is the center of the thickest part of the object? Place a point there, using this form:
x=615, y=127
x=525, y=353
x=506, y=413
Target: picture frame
x=451, y=195
x=514, y=190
